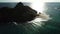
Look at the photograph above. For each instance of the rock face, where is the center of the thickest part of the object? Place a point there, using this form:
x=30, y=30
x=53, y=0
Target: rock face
x=19, y=14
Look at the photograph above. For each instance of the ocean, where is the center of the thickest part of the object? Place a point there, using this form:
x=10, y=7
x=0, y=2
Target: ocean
x=49, y=27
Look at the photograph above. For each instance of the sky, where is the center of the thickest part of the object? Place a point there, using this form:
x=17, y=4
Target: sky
x=29, y=0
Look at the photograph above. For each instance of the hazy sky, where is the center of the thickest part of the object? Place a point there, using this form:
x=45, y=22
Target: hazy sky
x=29, y=0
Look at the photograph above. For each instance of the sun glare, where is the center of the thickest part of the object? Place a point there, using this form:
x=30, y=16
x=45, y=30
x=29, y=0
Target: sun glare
x=38, y=6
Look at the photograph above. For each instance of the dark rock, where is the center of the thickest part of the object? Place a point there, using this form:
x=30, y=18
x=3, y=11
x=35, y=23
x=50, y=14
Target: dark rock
x=19, y=14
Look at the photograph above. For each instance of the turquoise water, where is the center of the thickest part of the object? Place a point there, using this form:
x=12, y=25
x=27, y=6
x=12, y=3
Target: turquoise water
x=50, y=27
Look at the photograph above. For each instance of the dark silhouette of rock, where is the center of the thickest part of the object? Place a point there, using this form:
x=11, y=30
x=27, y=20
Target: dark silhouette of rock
x=19, y=5
x=19, y=14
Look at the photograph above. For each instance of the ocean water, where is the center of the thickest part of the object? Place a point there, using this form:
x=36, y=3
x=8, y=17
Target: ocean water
x=49, y=27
